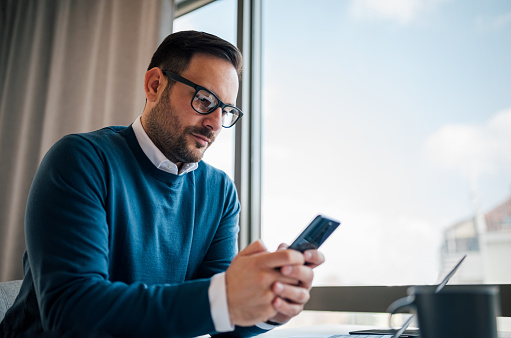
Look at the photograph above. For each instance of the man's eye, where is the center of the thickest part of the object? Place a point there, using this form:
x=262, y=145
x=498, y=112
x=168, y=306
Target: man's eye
x=205, y=100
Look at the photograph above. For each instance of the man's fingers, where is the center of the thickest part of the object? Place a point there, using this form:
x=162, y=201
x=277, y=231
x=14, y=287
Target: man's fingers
x=283, y=257
x=253, y=248
x=283, y=246
x=262, y=285
x=301, y=273
x=287, y=308
x=290, y=299
x=313, y=258
x=290, y=293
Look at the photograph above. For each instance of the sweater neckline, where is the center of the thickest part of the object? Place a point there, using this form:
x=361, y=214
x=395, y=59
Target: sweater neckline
x=145, y=163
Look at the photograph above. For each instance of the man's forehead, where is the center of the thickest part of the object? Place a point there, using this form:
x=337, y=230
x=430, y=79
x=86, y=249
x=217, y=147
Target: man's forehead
x=214, y=73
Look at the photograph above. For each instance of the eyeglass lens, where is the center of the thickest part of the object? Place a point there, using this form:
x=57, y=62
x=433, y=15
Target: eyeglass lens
x=205, y=102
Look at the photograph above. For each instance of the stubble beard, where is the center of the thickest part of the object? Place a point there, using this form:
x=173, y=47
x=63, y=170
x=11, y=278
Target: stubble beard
x=164, y=129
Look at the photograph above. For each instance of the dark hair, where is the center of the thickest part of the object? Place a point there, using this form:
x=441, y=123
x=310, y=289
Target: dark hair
x=177, y=50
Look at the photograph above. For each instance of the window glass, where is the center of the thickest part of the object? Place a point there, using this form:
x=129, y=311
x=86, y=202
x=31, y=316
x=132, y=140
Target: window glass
x=218, y=18
x=395, y=118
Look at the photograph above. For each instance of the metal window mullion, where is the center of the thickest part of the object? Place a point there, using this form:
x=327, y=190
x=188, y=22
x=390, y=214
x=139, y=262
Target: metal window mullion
x=247, y=170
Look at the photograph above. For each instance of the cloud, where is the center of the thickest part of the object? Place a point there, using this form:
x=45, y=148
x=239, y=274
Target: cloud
x=502, y=20
x=402, y=11
x=473, y=150
x=495, y=23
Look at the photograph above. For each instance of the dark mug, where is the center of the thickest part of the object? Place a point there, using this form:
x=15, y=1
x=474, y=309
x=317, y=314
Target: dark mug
x=457, y=311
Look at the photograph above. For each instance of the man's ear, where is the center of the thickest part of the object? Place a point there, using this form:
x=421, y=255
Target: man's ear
x=154, y=84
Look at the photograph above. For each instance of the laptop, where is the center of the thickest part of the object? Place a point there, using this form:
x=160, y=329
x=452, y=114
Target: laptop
x=403, y=332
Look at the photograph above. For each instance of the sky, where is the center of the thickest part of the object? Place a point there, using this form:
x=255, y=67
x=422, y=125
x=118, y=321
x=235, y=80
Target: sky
x=393, y=116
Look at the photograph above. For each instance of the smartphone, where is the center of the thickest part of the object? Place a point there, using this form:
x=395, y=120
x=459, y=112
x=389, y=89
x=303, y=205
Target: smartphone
x=315, y=234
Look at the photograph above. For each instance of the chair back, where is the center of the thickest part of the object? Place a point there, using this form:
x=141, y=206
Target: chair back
x=8, y=292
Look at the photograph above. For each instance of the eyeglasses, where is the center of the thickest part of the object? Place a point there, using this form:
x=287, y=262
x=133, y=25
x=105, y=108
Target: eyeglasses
x=205, y=101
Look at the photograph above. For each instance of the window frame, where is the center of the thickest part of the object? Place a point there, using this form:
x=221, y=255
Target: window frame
x=376, y=298
x=247, y=162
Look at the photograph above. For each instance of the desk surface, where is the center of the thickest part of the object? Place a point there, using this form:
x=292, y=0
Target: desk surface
x=323, y=331
x=314, y=331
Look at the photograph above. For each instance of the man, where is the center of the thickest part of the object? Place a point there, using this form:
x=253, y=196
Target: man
x=130, y=234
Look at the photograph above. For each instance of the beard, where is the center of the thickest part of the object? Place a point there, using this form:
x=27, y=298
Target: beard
x=168, y=134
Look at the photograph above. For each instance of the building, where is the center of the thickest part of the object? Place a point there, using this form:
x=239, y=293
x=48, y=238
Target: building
x=486, y=239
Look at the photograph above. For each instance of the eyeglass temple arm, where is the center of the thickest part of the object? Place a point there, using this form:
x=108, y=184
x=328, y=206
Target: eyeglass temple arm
x=181, y=79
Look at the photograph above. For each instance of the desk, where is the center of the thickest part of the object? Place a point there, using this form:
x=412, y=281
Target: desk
x=314, y=331
x=323, y=331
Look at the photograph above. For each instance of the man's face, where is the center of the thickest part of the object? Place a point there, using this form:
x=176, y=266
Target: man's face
x=182, y=134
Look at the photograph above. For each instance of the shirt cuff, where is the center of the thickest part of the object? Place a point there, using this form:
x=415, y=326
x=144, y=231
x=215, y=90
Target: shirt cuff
x=218, y=303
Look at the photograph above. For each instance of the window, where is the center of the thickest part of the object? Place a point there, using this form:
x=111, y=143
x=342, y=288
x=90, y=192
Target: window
x=218, y=18
x=394, y=117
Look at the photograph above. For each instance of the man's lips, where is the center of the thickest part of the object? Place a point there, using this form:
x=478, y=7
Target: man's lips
x=201, y=139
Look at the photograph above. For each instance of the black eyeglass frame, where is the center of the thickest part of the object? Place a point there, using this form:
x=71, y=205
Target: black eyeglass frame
x=198, y=88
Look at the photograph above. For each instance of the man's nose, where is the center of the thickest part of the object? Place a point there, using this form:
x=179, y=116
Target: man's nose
x=214, y=120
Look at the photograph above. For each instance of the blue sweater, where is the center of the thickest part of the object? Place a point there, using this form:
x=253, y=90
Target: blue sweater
x=116, y=246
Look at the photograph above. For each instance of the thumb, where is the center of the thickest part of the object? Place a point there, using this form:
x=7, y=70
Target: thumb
x=253, y=248
x=283, y=246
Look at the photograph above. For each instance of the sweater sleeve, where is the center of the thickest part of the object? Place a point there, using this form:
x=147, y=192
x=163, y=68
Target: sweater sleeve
x=67, y=245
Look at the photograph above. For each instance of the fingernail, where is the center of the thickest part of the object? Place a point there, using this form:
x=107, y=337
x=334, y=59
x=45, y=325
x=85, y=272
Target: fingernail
x=308, y=255
x=278, y=287
x=286, y=270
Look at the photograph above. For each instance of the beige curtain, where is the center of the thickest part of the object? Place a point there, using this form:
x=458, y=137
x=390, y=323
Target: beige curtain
x=66, y=66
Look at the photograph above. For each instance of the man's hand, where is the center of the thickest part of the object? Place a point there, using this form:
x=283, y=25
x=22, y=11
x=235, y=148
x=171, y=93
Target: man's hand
x=254, y=280
x=292, y=297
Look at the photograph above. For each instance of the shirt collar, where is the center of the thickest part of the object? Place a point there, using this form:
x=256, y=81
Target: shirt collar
x=156, y=156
